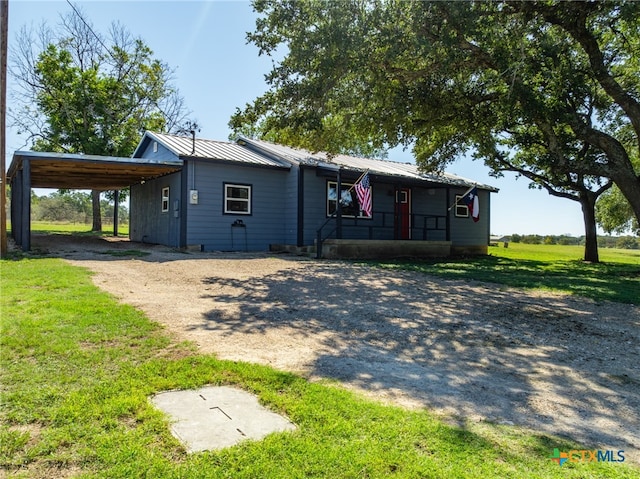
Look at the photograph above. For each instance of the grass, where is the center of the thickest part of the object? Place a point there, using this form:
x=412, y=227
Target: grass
x=76, y=229
x=77, y=369
x=548, y=267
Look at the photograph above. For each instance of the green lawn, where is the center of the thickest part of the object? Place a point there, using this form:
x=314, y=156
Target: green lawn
x=549, y=267
x=74, y=228
x=77, y=368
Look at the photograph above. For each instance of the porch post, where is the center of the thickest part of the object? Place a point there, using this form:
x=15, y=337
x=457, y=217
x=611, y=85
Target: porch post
x=396, y=212
x=339, y=206
x=116, y=204
x=448, y=217
x=300, y=222
x=16, y=207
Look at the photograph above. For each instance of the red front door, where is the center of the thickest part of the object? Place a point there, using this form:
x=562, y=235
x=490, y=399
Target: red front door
x=403, y=213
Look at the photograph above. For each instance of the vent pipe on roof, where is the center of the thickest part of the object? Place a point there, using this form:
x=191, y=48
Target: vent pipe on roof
x=190, y=127
x=193, y=128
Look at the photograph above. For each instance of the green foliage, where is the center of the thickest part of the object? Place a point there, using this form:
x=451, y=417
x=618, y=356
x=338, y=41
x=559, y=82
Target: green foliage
x=548, y=89
x=627, y=242
x=77, y=368
x=72, y=207
x=614, y=213
x=81, y=92
x=100, y=108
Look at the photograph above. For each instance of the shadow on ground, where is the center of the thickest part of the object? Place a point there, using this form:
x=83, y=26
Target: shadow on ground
x=559, y=364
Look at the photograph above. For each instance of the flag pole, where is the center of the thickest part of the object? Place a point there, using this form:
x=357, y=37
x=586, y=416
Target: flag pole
x=358, y=180
x=465, y=194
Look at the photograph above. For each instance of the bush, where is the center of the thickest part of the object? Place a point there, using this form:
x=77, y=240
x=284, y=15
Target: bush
x=627, y=242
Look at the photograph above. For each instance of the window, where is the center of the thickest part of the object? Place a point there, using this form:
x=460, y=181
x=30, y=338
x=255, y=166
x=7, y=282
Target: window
x=461, y=208
x=165, y=199
x=237, y=199
x=350, y=205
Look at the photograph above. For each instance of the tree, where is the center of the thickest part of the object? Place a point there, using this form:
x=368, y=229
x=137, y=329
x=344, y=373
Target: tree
x=505, y=80
x=82, y=92
x=614, y=214
x=72, y=206
x=542, y=168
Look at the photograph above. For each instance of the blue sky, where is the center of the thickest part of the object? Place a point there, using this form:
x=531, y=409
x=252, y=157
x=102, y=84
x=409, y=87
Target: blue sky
x=216, y=72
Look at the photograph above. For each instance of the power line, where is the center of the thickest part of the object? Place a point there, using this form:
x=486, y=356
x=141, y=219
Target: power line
x=90, y=29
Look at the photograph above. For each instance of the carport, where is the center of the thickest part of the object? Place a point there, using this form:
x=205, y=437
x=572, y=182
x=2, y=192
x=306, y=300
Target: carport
x=31, y=169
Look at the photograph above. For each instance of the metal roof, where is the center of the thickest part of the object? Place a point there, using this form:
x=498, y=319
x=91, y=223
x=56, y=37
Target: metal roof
x=184, y=147
x=74, y=171
x=381, y=167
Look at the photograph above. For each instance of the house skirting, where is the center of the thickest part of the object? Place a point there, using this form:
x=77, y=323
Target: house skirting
x=383, y=249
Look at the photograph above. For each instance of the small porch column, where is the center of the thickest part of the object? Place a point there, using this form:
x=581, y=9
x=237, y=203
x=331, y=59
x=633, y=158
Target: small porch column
x=339, y=206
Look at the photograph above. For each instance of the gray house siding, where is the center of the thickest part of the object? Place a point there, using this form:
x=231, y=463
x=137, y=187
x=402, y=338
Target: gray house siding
x=288, y=205
x=291, y=205
x=212, y=229
x=149, y=224
x=162, y=152
x=465, y=231
x=426, y=204
x=315, y=204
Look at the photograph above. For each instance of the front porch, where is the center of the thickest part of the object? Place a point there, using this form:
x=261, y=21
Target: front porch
x=370, y=249
x=383, y=249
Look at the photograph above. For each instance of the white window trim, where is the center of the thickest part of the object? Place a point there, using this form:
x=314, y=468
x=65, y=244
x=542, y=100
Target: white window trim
x=461, y=208
x=165, y=199
x=347, y=186
x=227, y=198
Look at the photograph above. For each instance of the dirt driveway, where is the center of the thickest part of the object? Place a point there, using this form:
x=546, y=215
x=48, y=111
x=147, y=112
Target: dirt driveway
x=557, y=364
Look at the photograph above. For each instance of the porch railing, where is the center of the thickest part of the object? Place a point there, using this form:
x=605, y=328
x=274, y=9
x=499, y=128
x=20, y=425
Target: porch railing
x=422, y=227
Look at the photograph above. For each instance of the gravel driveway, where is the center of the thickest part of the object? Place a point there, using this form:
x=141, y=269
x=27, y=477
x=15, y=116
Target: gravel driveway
x=558, y=364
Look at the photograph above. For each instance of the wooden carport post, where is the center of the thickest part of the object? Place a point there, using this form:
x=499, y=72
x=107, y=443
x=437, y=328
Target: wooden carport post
x=25, y=221
x=116, y=207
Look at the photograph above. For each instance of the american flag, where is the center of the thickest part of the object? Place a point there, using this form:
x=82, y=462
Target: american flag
x=363, y=190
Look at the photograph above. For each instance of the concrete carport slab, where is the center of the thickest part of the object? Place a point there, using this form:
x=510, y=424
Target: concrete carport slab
x=215, y=417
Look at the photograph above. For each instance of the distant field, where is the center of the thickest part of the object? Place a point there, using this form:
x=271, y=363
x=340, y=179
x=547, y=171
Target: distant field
x=541, y=252
x=547, y=267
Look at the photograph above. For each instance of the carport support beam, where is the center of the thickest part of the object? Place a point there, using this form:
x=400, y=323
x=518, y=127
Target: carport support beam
x=25, y=223
x=116, y=207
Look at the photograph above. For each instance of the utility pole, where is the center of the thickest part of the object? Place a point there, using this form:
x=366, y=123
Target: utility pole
x=4, y=27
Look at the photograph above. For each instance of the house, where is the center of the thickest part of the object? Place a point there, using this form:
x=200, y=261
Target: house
x=253, y=196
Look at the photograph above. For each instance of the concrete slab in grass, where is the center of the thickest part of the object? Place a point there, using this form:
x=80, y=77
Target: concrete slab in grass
x=216, y=417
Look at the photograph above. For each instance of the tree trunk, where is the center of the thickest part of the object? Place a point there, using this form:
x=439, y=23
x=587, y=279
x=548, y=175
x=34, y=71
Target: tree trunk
x=97, y=214
x=588, y=203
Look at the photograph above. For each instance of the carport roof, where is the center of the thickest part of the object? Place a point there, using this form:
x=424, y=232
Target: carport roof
x=88, y=172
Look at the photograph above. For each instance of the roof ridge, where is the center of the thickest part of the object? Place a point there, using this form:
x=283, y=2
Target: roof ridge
x=173, y=135
x=386, y=160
